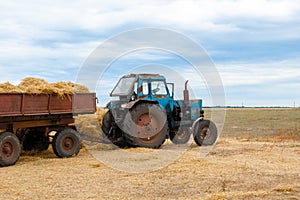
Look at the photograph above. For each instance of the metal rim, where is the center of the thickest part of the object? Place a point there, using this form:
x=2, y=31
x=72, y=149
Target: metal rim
x=7, y=149
x=182, y=134
x=68, y=143
x=147, y=127
x=205, y=133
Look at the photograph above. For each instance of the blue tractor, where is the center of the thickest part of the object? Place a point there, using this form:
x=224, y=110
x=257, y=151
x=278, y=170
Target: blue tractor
x=145, y=114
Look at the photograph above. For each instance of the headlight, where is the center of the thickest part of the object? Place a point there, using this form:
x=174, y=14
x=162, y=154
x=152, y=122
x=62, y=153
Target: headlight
x=124, y=105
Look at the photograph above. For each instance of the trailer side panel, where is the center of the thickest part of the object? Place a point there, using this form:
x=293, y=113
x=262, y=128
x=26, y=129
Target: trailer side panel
x=23, y=104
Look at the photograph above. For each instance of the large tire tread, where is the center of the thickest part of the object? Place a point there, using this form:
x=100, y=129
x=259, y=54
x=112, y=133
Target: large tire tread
x=201, y=128
x=107, y=122
x=130, y=133
x=182, y=136
x=66, y=143
x=10, y=149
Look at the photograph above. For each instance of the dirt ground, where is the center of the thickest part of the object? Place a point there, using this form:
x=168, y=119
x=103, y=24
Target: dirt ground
x=256, y=157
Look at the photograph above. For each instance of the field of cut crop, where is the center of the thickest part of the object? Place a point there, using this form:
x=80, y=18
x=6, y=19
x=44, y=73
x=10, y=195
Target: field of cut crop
x=256, y=157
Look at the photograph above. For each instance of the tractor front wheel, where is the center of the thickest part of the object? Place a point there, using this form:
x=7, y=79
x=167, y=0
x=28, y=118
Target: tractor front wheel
x=181, y=136
x=205, y=132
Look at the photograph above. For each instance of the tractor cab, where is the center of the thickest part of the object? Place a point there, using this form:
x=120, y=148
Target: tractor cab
x=152, y=87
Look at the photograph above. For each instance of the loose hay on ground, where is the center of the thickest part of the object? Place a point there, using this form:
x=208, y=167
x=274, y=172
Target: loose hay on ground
x=239, y=167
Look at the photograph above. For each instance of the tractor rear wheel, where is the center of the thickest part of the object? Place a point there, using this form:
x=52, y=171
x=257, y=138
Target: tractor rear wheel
x=112, y=132
x=107, y=123
x=181, y=136
x=205, y=132
x=10, y=149
x=146, y=126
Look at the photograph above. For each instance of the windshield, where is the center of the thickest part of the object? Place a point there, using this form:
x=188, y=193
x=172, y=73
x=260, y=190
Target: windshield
x=124, y=87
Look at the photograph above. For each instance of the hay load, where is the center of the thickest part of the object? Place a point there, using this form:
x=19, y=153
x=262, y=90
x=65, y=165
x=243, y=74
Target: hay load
x=8, y=87
x=40, y=86
x=68, y=88
x=34, y=86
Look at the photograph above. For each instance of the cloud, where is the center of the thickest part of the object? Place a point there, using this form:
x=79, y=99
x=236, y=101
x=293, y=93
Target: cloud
x=260, y=73
x=254, y=43
x=189, y=15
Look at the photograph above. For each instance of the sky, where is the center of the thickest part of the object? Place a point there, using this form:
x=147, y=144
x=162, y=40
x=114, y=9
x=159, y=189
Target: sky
x=254, y=45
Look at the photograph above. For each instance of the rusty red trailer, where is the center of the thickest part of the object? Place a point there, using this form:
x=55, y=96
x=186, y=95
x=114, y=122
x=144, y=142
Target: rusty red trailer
x=33, y=121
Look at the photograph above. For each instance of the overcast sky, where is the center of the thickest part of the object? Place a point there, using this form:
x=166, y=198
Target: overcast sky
x=255, y=45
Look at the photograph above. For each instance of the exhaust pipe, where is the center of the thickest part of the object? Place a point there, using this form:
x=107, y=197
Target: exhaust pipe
x=186, y=96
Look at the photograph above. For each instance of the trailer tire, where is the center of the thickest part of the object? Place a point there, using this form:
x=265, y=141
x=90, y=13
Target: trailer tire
x=205, y=132
x=10, y=149
x=66, y=143
x=146, y=118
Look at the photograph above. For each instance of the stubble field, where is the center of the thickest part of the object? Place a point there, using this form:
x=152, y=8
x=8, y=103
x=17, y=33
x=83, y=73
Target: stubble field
x=256, y=157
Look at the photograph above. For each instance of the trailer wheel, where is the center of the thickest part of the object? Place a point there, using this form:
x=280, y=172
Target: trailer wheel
x=33, y=139
x=182, y=136
x=205, y=132
x=147, y=126
x=10, y=149
x=66, y=143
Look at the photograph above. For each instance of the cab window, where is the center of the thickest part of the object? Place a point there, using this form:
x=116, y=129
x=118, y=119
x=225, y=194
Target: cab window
x=145, y=88
x=158, y=88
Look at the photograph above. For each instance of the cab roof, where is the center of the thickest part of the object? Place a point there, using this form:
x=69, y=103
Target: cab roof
x=145, y=76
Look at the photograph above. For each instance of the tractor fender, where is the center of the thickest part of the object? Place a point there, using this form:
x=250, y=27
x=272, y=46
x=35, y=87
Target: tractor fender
x=132, y=104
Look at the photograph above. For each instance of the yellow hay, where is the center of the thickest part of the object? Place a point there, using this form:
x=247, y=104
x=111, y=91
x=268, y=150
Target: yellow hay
x=61, y=88
x=100, y=114
x=68, y=88
x=34, y=85
x=80, y=88
x=40, y=86
x=8, y=87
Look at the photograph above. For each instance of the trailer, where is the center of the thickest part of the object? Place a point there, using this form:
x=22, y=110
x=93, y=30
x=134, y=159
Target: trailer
x=34, y=121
